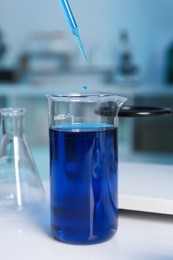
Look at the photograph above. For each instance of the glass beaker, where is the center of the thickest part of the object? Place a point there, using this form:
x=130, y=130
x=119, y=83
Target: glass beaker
x=83, y=166
x=21, y=190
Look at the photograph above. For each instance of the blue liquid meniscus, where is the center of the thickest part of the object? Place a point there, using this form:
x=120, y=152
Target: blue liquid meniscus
x=83, y=172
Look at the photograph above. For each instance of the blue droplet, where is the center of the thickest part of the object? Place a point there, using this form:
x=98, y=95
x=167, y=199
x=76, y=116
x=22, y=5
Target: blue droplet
x=85, y=87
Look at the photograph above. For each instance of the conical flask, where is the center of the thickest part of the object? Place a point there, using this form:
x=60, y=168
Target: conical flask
x=21, y=190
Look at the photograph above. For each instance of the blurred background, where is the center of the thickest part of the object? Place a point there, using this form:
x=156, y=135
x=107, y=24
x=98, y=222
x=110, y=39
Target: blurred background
x=129, y=44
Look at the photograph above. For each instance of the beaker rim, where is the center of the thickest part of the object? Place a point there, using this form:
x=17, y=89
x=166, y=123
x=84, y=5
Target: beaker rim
x=87, y=97
x=12, y=111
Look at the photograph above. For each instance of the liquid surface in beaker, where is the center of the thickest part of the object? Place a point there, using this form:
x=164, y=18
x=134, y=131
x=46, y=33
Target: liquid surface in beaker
x=83, y=163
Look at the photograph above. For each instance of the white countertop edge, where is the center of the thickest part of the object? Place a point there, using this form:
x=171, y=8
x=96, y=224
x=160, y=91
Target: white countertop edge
x=144, y=204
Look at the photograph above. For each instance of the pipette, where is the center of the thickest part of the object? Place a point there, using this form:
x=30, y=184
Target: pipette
x=72, y=24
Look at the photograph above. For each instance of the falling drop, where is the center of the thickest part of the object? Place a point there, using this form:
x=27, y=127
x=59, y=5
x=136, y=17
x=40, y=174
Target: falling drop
x=85, y=88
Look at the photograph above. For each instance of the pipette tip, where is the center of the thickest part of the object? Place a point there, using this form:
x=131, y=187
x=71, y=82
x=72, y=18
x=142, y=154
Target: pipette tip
x=81, y=46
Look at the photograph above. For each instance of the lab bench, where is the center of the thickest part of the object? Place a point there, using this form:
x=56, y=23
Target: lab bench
x=140, y=235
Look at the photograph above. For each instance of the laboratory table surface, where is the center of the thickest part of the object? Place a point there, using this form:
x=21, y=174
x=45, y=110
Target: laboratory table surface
x=139, y=236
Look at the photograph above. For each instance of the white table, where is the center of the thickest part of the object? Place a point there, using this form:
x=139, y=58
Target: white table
x=146, y=187
x=140, y=236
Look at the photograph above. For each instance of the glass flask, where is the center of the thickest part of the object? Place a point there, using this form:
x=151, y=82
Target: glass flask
x=21, y=190
x=84, y=166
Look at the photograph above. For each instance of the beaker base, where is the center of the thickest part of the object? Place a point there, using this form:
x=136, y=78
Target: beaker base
x=82, y=238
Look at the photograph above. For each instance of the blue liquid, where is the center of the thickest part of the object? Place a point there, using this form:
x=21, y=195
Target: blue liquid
x=83, y=166
x=85, y=88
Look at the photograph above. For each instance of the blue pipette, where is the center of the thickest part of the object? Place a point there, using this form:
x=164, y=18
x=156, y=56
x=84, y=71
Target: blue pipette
x=72, y=24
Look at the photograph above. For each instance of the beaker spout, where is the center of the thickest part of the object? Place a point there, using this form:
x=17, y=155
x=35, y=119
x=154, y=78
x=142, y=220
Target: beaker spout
x=110, y=108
